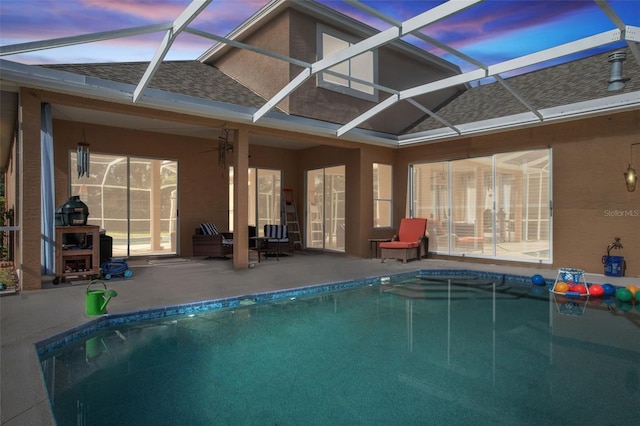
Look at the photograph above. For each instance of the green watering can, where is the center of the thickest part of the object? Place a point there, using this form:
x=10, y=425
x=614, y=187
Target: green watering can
x=97, y=299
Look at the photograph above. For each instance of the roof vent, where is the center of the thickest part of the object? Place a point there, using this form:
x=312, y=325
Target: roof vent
x=616, y=82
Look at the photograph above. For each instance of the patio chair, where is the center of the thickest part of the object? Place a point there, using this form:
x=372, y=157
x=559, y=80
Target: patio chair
x=208, y=241
x=277, y=239
x=408, y=243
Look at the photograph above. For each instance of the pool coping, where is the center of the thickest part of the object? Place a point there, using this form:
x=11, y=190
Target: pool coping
x=57, y=341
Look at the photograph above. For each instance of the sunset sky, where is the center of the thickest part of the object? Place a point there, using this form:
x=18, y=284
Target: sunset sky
x=491, y=32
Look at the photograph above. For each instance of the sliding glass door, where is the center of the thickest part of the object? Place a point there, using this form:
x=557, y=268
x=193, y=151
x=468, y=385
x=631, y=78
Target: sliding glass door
x=496, y=206
x=326, y=195
x=134, y=200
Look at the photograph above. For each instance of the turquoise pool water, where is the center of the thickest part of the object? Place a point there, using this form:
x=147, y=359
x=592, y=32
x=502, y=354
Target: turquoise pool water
x=410, y=350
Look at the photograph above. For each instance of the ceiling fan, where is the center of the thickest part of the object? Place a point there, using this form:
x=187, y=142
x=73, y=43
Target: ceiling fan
x=224, y=147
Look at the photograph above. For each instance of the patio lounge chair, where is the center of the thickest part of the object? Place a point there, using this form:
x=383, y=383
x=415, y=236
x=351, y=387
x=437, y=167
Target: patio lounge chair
x=408, y=243
x=208, y=241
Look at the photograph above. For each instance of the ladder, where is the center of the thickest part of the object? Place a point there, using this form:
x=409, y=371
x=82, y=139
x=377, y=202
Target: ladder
x=291, y=218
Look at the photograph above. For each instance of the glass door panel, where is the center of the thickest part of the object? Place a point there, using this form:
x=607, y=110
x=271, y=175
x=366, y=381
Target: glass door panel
x=326, y=195
x=430, y=189
x=472, y=206
x=269, y=198
x=315, y=209
x=334, y=205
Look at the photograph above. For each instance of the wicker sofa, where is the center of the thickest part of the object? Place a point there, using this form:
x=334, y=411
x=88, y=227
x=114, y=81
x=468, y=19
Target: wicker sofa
x=209, y=242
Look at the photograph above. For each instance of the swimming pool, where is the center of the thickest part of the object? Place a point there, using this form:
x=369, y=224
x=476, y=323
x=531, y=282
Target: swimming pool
x=443, y=347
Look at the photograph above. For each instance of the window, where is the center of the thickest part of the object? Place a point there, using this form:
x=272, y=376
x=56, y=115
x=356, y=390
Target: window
x=382, y=201
x=496, y=206
x=354, y=76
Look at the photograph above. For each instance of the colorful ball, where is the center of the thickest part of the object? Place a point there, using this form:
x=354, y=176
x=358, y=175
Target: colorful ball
x=623, y=294
x=609, y=289
x=579, y=288
x=596, y=290
x=561, y=287
x=638, y=297
x=633, y=289
x=538, y=279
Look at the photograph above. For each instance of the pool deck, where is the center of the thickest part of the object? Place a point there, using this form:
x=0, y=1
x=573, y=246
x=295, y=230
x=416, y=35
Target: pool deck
x=32, y=316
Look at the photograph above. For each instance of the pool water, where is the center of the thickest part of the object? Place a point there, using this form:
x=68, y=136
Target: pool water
x=425, y=350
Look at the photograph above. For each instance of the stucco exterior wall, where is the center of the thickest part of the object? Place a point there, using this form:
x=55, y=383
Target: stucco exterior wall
x=263, y=74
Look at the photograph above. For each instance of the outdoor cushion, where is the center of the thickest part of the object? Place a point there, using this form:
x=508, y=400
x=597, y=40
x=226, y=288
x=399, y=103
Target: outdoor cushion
x=209, y=229
x=276, y=233
x=398, y=244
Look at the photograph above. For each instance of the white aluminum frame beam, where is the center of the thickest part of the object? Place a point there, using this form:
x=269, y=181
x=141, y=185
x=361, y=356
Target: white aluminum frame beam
x=248, y=47
x=556, y=52
x=631, y=34
x=586, y=43
x=81, y=39
x=434, y=115
x=517, y=95
x=371, y=43
x=188, y=14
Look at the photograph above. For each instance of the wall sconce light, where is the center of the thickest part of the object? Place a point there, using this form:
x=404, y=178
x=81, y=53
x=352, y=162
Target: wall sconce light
x=631, y=176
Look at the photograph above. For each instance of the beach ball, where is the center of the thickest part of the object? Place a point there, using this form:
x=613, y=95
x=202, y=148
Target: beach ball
x=638, y=298
x=633, y=289
x=561, y=287
x=538, y=279
x=623, y=294
x=609, y=289
x=579, y=288
x=596, y=290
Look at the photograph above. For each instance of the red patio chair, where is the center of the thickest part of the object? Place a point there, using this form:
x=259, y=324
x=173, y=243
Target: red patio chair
x=408, y=243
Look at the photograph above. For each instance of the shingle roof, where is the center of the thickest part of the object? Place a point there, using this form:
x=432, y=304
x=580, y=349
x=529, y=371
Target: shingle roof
x=576, y=81
x=192, y=78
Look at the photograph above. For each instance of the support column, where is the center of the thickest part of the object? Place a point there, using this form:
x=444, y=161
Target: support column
x=241, y=199
x=29, y=215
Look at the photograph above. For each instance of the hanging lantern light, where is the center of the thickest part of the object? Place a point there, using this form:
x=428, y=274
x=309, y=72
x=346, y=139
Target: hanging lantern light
x=631, y=176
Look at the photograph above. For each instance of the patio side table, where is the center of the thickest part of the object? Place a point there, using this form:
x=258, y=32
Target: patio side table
x=374, y=246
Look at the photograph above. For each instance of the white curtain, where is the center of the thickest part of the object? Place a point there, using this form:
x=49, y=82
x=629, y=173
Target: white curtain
x=47, y=191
